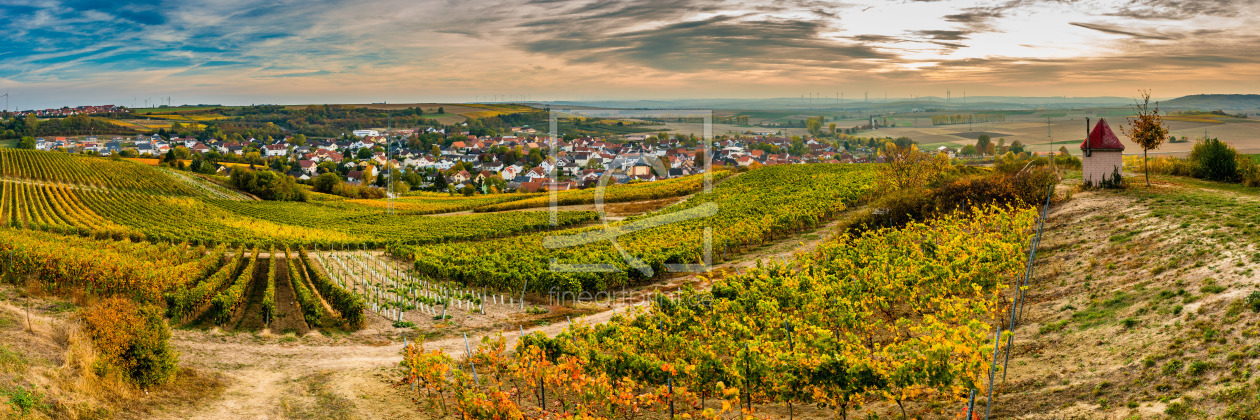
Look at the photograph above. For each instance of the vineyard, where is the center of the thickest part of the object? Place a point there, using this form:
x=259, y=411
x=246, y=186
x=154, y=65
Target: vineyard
x=744, y=212
x=618, y=193
x=122, y=200
x=889, y=316
x=399, y=295
x=198, y=285
x=373, y=228
x=433, y=203
x=62, y=168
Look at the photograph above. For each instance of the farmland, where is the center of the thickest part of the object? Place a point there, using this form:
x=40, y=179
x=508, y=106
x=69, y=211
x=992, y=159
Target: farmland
x=758, y=294
x=1045, y=131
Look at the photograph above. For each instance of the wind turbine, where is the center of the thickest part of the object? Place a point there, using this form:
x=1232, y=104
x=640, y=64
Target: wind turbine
x=6, y=101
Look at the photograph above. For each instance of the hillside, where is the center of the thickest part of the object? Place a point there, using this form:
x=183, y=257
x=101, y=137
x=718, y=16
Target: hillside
x=1209, y=102
x=1140, y=307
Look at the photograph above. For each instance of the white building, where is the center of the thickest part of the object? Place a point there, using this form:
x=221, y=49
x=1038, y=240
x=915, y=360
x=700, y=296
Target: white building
x=1101, y=155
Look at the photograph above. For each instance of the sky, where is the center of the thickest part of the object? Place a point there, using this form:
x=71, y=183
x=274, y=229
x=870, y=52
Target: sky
x=76, y=52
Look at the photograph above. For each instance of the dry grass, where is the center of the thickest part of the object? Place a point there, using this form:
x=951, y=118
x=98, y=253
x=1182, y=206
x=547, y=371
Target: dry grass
x=54, y=369
x=1137, y=309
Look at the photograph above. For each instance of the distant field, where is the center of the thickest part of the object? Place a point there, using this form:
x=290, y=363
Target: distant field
x=8, y=143
x=150, y=125
x=976, y=134
x=1033, y=130
x=454, y=113
x=490, y=110
x=176, y=110
x=192, y=118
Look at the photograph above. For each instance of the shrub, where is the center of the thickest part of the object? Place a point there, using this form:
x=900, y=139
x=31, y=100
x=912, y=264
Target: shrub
x=1214, y=160
x=325, y=182
x=1248, y=172
x=1172, y=367
x=1198, y=367
x=1253, y=301
x=132, y=338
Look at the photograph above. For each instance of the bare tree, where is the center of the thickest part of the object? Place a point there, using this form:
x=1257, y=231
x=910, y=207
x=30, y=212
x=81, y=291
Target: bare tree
x=1147, y=129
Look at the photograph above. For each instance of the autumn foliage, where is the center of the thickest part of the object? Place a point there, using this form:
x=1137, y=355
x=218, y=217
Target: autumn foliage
x=892, y=315
x=132, y=340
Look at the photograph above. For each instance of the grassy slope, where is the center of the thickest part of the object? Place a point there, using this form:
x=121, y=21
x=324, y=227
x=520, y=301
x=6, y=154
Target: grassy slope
x=1138, y=306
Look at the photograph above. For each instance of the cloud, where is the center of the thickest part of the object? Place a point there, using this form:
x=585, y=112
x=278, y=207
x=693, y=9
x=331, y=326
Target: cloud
x=1112, y=29
x=1180, y=10
x=943, y=35
x=401, y=47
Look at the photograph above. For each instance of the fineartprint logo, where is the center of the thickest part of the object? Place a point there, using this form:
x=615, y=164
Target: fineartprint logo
x=622, y=168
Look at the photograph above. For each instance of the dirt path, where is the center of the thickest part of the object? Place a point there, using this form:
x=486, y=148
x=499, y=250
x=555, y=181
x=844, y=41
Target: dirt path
x=249, y=316
x=276, y=376
x=288, y=315
x=260, y=376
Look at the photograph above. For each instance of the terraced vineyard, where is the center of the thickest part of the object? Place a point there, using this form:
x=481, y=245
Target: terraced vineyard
x=617, y=193
x=392, y=291
x=374, y=228
x=746, y=211
x=89, y=172
x=192, y=210
x=433, y=203
x=891, y=315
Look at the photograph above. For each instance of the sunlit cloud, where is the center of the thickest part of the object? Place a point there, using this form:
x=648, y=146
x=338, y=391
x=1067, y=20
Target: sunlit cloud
x=207, y=51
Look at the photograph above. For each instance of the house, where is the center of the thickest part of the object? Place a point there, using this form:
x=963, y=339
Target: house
x=418, y=162
x=511, y=171
x=354, y=176
x=461, y=176
x=640, y=168
x=275, y=150
x=366, y=133
x=307, y=166
x=536, y=174
x=1101, y=155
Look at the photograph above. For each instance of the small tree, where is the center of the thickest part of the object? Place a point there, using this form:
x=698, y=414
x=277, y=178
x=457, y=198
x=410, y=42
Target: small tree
x=982, y=143
x=908, y=168
x=1146, y=129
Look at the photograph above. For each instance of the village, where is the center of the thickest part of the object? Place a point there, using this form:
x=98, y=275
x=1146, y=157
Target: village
x=509, y=163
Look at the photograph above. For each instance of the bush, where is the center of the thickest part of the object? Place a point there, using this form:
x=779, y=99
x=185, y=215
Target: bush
x=351, y=191
x=326, y=182
x=132, y=338
x=1248, y=172
x=1253, y=301
x=1198, y=367
x=1214, y=160
x=267, y=185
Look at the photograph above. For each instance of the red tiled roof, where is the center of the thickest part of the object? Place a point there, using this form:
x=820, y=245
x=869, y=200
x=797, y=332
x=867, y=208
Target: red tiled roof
x=1101, y=138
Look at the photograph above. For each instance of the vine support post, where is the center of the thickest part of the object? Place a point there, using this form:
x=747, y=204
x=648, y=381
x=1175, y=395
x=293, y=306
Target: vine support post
x=747, y=377
x=671, y=397
x=791, y=349
x=971, y=404
x=988, y=404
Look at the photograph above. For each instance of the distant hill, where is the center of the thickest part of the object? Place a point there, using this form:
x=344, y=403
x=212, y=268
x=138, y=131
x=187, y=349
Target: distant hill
x=874, y=104
x=1213, y=102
